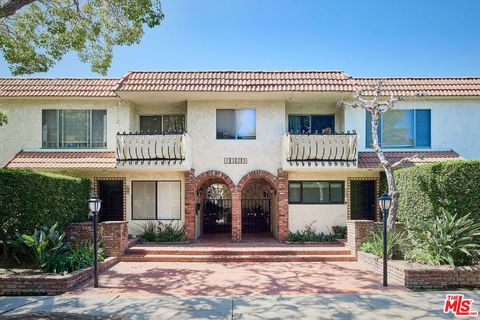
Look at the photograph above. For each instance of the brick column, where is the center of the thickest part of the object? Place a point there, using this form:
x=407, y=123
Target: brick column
x=114, y=237
x=236, y=215
x=190, y=203
x=282, y=198
x=357, y=231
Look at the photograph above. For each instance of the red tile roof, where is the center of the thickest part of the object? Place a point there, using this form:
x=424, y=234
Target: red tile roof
x=233, y=81
x=63, y=159
x=65, y=87
x=370, y=159
x=236, y=81
x=423, y=86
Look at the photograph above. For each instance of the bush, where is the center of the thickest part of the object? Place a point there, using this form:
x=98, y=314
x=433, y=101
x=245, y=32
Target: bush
x=448, y=240
x=29, y=199
x=309, y=234
x=45, y=245
x=79, y=258
x=427, y=190
x=339, y=231
x=395, y=244
x=161, y=232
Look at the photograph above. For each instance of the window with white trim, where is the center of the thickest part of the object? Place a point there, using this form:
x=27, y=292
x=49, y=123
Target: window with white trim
x=156, y=200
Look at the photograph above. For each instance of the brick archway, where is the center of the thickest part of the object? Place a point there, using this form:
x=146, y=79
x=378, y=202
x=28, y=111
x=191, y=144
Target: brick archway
x=280, y=185
x=192, y=185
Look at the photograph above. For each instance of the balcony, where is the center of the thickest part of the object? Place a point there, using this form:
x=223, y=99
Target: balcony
x=324, y=150
x=138, y=149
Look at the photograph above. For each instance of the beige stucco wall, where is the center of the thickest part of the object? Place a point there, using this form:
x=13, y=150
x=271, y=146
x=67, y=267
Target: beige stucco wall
x=323, y=216
x=454, y=124
x=24, y=128
x=263, y=153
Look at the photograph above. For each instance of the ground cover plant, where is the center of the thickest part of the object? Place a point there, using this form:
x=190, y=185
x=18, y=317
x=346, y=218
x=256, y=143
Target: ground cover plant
x=161, y=232
x=309, y=234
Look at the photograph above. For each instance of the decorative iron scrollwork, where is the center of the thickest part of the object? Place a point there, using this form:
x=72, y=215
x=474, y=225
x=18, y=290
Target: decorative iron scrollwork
x=336, y=149
x=138, y=148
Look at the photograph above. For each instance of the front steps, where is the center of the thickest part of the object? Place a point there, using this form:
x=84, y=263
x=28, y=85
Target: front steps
x=235, y=253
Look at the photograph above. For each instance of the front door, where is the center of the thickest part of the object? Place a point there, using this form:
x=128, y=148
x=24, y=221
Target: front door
x=362, y=199
x=111, y=193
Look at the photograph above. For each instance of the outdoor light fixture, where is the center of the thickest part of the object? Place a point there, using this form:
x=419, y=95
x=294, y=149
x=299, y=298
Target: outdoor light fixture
x=95, y=204
x=385, y=202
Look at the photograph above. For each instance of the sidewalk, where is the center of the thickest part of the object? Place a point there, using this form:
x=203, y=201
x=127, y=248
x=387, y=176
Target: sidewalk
x=424, y=305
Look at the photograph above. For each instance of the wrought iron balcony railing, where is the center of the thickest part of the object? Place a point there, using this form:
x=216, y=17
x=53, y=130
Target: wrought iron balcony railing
x=335, y=149
x=138, y=148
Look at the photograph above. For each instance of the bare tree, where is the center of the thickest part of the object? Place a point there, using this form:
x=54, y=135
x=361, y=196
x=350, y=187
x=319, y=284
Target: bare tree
x=378, y=102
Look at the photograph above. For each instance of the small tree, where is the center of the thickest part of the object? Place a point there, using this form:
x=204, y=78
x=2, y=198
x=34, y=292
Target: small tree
x=3, y=119
x=377, y=103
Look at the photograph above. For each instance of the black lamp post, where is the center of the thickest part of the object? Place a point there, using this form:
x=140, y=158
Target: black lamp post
x=95, y=204
x=385, y=201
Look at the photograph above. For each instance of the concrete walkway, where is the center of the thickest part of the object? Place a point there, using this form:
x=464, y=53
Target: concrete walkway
x=418, y=305
x=237, y=279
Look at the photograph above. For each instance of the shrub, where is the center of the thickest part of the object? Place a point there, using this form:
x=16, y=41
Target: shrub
x=79, y=258
x=45, y=245
x=395, y=244
x=161, y=232
x=309, y=234
x=30, y=199
x=428, y=189
x=339, y=231
x=449, y=240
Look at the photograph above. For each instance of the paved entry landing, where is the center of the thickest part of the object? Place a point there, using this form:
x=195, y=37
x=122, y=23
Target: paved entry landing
x=226, y=279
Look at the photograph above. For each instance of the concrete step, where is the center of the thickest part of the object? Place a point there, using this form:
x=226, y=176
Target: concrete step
x=137, y=250
x=236, y=258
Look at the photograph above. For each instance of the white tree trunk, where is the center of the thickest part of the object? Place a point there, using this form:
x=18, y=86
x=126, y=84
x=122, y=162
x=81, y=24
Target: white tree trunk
x=392, y=187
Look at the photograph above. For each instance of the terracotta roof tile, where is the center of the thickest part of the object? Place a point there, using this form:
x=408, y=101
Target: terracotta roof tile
x=65, y=87
x=370, y=159
x=63, y=159
x=242, y=81
x=423, y=86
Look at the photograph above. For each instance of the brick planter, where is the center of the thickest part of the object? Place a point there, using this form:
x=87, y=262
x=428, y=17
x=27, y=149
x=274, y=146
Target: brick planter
x=113, y=235
x=48, y=284
x=419, y=276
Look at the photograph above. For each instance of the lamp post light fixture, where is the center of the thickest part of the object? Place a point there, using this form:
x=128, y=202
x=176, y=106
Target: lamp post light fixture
x=385, y=202
x=95, y=204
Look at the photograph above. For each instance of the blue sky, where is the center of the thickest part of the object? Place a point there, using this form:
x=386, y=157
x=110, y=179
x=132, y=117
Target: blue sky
x=363, y=38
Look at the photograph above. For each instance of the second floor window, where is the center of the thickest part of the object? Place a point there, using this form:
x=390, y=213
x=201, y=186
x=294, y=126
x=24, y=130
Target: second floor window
x=236, y=124
x=168, y=123
x=311, y=124
x=74, y=128
x=402, y=129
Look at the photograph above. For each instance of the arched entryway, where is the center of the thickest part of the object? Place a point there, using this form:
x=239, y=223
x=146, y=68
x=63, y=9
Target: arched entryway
x=217, y=209
x=257, y=207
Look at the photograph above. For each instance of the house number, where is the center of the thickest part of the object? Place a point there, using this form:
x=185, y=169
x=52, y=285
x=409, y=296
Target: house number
x=235, y=160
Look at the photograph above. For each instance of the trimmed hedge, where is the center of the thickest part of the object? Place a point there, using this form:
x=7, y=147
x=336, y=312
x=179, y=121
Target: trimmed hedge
x=30, y=199
x=426, y=189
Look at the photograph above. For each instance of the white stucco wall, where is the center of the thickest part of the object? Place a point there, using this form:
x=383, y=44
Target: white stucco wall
x=454, y=124
x=323, y=216
x=24, y=128
x=263, y=153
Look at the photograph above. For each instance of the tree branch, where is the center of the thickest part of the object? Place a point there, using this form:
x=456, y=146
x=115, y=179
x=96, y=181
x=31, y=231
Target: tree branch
x=402, y=161
x=12, y=6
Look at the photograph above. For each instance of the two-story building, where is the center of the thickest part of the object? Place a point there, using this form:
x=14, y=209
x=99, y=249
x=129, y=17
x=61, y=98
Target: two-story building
x=243, y=153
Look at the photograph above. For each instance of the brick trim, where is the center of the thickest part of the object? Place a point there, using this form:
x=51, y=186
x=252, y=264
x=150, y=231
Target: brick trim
x=96, y=180
x=378, y=216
